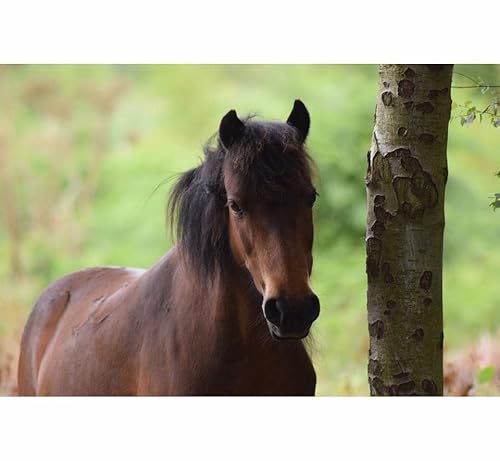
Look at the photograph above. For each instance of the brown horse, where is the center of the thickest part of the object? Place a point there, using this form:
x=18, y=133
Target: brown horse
x=223, y=312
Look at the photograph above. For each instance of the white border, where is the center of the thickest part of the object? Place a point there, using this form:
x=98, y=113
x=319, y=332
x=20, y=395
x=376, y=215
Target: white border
x=248, y=31
x=249, y=428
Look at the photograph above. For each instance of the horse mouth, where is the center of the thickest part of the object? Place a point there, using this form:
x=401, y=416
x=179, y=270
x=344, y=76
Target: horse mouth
x=287, y=337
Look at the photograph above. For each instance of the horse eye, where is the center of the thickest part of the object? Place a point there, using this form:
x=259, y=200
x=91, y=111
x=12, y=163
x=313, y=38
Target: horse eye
x=235, y=208
x=313, y=198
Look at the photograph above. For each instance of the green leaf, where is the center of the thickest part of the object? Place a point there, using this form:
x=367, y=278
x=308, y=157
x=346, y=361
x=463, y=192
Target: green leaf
x=485, y=375
x=470, y=118
x=467, y=103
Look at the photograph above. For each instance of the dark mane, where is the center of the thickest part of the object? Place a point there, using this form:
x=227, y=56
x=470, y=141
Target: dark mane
x=269, y=159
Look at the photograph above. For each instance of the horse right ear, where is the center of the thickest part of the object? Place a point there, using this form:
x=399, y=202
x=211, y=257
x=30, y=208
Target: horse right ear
x=231, y=128
x=299, y=119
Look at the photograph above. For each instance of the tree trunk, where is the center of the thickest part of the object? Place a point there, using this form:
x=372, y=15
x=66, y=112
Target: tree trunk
x=405, y=183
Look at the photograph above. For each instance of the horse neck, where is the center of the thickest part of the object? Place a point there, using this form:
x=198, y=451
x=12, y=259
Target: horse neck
x=236, y=301
x=226, y=301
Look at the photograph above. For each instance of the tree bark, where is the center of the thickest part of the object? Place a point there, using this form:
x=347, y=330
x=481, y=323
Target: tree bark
x=405, y=183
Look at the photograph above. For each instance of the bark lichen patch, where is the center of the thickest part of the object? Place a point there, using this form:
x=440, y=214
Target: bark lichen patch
x=418, y=335
x=406, y=201
x=374, y=367
x=386, y=272
x=426, y=280
x=373, y=249
x=434, y=94
x=406, y=388
x=378, y=228
x=387, y=98
x=429, y=386
x=425, y=107
x=417, y=193
x=409, y=73
x=423, y=187
x=427, y=138
x=400, y=152
x=391, y=390
x=381, y=214
x=402, y=131
x=376, y=329
x=410, y=164
x=406, y=210
x=378, y=386
x=381, y=170
x=402, y=375
x=406, y=88
x=391, y=305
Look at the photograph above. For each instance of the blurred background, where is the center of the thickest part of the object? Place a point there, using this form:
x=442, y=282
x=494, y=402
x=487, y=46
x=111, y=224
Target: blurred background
x=85, y=152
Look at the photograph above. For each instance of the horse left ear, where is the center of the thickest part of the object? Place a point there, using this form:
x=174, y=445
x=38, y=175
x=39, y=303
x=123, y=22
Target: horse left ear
x=299, y=119
x=231, y=128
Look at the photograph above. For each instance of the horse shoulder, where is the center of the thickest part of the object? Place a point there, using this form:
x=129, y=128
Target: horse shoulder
x=66, y=304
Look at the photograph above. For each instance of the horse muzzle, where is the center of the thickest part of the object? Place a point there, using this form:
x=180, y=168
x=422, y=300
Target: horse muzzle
x=291, y=319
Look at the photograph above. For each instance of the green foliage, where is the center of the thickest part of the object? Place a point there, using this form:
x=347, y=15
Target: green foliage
x=467, y=112
x=82, y=148
x=485, y=375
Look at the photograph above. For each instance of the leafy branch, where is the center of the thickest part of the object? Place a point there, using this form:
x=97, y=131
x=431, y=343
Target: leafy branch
x=467, y=113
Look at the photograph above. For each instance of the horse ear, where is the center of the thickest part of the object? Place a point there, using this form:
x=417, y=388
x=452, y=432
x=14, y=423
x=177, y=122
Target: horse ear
x=230, y=129
x=299, y=119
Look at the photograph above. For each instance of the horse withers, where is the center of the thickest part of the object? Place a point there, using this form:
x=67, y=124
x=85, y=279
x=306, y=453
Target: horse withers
x=223, y=312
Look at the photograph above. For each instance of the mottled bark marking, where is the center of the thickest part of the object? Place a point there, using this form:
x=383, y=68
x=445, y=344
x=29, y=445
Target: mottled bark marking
x=377, y=329
x=429, y=386
x=424, y=107
x=387, y=98
x=406, y=88
x=426, y=280
x=373, y=247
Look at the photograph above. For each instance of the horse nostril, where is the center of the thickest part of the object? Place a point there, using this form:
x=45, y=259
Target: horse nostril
x=273, y=310
x=313, y=311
